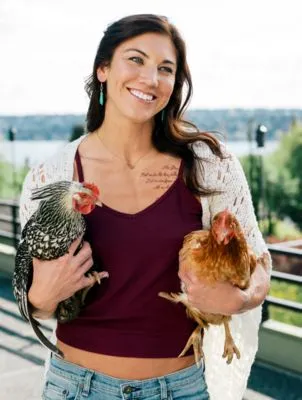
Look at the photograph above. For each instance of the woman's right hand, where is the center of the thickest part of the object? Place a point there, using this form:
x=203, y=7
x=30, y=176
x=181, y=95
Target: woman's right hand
x=57, y=280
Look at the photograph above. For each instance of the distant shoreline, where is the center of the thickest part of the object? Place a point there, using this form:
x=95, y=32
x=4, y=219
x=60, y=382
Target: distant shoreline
x=35, y=151
x=232, y=123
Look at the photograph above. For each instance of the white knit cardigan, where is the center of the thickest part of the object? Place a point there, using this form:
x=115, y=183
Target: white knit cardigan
x=227, y=382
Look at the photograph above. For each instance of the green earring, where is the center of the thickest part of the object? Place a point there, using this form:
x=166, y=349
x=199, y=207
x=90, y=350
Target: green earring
x=163, y=115
x=101, y=99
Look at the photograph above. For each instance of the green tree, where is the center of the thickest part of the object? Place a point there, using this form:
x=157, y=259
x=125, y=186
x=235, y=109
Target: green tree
x=252, y=168
x=11, y=181
x=284, y=168
x=282, y=176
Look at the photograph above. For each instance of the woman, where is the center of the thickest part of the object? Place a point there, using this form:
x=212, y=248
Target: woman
x=160, y=178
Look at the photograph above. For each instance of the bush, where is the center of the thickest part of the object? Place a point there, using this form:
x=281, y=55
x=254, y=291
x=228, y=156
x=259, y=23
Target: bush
x=11, y=181
x=288, y=291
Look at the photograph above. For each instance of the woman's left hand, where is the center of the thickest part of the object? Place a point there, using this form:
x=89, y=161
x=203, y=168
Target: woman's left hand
x=216, y=298
x=223, y=297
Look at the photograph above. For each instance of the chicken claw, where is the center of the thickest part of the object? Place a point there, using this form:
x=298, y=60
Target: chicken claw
x=229, y=350
x=196, y=337
x=97, y=276
x=195, y=340
x=229, y=346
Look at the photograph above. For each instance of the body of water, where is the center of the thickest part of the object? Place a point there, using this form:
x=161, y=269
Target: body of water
x=35, y=151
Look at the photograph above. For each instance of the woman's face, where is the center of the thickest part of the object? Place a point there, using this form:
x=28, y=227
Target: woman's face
x=141, y=76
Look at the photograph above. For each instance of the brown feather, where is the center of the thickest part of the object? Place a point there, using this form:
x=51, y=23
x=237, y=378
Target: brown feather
x=209, y=258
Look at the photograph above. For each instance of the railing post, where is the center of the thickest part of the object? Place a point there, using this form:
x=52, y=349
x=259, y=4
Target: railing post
x=15, y=225
x=265, y=312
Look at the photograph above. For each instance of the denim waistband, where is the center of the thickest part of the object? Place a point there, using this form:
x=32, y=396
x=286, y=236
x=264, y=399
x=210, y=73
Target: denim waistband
x=103, y=382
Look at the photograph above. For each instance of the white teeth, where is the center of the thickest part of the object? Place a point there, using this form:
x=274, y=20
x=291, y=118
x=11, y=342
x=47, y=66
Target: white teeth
x=141, y=95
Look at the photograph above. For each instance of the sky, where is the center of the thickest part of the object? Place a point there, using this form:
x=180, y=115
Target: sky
x=242, y=53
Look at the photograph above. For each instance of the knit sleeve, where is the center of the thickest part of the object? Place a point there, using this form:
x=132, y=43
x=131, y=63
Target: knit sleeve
x=223, y=380
x=236, y=197
x=57, y=167
x=34, y=178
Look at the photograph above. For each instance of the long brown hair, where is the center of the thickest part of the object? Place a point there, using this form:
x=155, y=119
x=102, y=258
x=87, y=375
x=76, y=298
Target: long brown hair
x=173, y=133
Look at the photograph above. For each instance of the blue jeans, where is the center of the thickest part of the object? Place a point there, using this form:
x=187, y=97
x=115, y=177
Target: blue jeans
x=67, y=381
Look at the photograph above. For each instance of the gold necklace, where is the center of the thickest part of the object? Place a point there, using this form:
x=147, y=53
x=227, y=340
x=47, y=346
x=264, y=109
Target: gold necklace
x=128, y=163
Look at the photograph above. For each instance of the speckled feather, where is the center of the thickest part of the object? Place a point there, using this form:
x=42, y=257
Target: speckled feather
x=47, y=235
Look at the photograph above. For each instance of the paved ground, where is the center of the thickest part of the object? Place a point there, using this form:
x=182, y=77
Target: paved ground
x=21, y=355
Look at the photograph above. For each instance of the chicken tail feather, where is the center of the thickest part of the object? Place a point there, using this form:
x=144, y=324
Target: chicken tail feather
x=174, y=297
x=34, y=324
x=43, y=339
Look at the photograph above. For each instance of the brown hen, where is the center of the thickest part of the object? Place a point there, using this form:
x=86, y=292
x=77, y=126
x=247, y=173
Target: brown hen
x=220, y=254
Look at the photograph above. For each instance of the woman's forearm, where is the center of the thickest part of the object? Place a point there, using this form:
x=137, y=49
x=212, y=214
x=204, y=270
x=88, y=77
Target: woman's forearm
x=255, y=294
x=39, y=309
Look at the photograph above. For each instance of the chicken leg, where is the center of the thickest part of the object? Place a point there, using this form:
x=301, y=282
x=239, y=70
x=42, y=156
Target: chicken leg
x=196, y=337
x=229, y=346
x=195, y=340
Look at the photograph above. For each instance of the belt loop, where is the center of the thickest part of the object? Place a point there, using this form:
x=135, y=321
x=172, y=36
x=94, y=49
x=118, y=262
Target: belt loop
x=87, y=383
x=163, y=389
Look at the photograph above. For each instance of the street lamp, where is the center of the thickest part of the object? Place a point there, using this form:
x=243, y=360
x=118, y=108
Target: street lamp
x=260, y=135
x=260, y=139
x=12, y=132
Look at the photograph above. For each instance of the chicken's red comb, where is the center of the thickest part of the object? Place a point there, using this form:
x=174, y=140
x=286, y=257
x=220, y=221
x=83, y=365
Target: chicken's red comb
x=223, y=215
x=93, y=188
x=225, y=212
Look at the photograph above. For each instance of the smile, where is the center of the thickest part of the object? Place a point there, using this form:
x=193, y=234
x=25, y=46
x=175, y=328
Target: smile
x=142, y=96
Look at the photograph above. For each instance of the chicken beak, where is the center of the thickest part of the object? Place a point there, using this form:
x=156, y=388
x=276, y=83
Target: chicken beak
x=222, y=236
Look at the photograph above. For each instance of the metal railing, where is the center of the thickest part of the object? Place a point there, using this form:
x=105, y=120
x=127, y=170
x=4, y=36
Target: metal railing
x=10, y=234
x=9, y=222
x=283, y=277
x=275, y=301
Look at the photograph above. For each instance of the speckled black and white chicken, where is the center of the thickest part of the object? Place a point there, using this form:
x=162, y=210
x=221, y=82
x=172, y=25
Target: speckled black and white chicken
x=48, y=235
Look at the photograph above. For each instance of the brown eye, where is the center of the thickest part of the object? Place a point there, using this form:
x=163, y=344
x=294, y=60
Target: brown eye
x=137, y=60
x=166, y=69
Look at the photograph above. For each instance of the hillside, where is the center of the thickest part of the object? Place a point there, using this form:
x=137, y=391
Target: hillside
x=232, y=123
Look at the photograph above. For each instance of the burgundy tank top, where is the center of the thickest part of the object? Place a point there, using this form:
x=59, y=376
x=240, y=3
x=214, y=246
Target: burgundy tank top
x=124, y=316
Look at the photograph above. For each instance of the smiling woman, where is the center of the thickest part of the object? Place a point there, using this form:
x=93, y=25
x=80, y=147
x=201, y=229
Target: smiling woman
x=138, y=81
x=160, y=178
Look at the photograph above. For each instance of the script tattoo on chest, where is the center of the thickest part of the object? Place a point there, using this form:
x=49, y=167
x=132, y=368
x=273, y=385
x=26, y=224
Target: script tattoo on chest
x=161, y=179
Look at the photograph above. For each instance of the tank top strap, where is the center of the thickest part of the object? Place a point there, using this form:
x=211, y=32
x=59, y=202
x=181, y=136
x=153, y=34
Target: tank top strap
x=180, y=170
x=79, y=166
